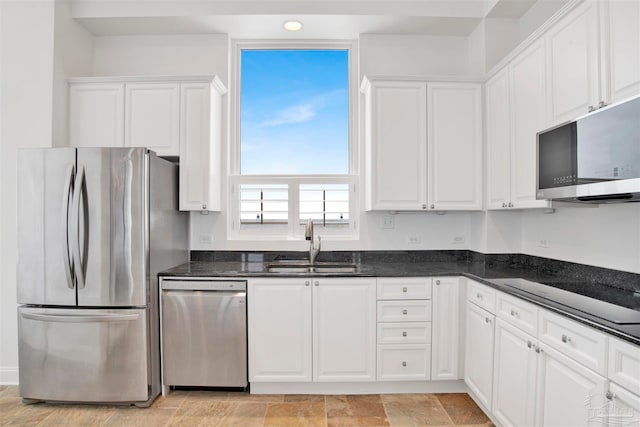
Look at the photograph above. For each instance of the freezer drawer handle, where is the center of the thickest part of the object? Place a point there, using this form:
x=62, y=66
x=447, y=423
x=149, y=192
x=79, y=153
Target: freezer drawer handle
x=65, y=216
x=81, y=318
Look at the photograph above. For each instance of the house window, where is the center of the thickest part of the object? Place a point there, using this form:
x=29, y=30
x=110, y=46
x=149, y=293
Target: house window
x=292, y=152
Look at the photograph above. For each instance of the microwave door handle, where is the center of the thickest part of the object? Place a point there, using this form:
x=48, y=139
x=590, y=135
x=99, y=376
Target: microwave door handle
x=68, y=266
x=75, y=238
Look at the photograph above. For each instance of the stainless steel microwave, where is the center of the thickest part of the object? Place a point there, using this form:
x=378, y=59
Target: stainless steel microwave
x=595, y=158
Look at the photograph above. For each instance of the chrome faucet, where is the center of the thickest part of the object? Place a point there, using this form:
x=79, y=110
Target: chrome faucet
x=308, y=235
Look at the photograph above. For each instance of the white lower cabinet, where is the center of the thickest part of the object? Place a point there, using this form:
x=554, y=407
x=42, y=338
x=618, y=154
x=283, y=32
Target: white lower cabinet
x=312, y=329
x=446, y=327
x=568, y=394
x=623, y=407
x=514, y=376
x=404, y=329
x=478, y=371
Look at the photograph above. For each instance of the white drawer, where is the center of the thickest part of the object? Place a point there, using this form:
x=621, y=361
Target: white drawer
x=404, y=311
x=624, y=364
x=581, y=343
x=404, y=362
x=482, y=295
x=404, y=288
x=519, y=313
x=404, y=333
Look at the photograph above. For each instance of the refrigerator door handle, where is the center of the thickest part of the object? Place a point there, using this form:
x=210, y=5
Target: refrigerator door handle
x=79, y=263
x=70, y=318
x=68, y=266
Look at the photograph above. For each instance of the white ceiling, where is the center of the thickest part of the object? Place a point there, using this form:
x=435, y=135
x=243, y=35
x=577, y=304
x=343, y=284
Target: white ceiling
x=264, y=18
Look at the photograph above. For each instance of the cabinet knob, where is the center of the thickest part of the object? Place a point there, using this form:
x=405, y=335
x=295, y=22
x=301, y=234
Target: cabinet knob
x=204, y=207
x=316, y=283
x=529, y=344
x=591, y=109
x=504, y=205
x=424, y=206
x=404, y=311
x=514, y=313
x=510, y=204
x=487, y=320
x=539, y=350
x=433, y=206
x=602, y=104
x=404, y=289
x=437, y=282
x=306, y=283
x=565, y=339
x=479, y=295
x=404, y=363
x=610, y=395
x=404, y=333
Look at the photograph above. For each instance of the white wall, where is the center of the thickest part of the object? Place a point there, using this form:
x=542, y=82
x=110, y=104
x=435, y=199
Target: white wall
x=607, y=236
x=162, y=55
x=26, y=105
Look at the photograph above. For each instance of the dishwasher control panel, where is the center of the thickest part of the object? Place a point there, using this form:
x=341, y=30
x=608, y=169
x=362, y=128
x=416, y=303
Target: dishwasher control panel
x=204, y=285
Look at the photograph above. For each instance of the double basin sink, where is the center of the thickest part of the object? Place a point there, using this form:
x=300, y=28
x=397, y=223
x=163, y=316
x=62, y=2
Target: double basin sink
x=302, y=266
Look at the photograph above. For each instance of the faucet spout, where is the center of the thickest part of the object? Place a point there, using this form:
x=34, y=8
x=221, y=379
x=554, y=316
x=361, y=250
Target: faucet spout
x=309, y=235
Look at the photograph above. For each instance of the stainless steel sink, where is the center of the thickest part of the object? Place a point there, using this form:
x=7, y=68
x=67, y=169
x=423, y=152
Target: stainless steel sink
x=297, y=266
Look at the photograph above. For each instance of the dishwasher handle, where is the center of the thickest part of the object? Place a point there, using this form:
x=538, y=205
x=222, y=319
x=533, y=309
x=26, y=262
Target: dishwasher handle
x=204, y=285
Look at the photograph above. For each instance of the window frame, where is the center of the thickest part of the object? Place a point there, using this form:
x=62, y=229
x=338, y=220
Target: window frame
x=293, y=230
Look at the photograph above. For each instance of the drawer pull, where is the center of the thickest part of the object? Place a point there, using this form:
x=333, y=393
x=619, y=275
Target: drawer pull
x=514, y=313
x=404, y=311
x=404, y=289
x=306, y=283
x=437, y=282
x=529, y=344
x=565, y=339
x=404, y=333
x=479, y=295
x=487, y=320
x=404, y=363
x=610, y=395
x=539, y=350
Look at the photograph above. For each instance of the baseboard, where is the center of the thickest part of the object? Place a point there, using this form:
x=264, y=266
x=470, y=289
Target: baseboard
x=360, y=387
x=8, y=375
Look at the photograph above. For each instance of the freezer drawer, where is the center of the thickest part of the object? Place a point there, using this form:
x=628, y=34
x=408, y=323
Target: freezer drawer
x=87, y=355
x=204, y=337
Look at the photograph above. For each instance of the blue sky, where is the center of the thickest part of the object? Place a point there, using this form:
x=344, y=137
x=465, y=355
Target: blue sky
x=294, y=112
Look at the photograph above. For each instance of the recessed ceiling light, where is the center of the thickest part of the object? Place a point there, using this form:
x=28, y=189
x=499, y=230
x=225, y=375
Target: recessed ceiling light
x=292, y=25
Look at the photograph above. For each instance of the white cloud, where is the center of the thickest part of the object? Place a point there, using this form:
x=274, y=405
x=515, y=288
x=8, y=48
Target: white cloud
x=296, y=114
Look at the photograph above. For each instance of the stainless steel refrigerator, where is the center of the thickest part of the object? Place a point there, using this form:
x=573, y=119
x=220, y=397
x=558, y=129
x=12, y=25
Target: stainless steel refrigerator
x=95, y=226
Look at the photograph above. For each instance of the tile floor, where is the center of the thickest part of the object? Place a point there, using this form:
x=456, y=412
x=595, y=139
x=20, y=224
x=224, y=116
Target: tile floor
x=210, y=408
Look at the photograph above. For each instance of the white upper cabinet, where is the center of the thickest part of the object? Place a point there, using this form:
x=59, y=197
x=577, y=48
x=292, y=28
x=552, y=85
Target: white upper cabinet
x=515, y=111
x=620, y=41
x=396, y=144
x=454, y=129
x=201, y=145
x=419, y=157
x=593, y=58
x=152, y=117
x=96, y=114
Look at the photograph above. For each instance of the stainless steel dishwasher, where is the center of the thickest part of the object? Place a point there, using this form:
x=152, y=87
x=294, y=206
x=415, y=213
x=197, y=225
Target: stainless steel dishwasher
x=204, y=332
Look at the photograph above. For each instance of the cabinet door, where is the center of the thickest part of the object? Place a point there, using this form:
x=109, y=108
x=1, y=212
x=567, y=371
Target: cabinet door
x=396, y=129
x=446, y=327
x=200, y=141
x=620, y=29
x=573, y=62
x=498, y=141
x=527, y=118
x=152, y=117
x=623, y=407
x=279, y=327
x=344, y=329
x=514, y=380
x=478, y=365
x=454, y=146
x=568, y=394
x=96, y=114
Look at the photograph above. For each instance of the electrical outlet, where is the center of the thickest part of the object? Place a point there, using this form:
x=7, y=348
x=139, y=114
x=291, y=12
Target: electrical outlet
x=413, y=240
x=543, y=243
x=205, y=239
x=388, y=222
x=458, y=240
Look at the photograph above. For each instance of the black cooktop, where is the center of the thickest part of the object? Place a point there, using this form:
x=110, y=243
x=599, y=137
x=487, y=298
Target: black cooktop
x=604, y=310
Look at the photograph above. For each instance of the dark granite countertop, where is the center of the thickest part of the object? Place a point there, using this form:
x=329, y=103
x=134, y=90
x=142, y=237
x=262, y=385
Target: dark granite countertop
x=584, y=290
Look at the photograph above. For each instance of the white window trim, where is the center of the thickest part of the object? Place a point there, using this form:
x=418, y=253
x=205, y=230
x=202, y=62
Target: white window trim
x=294, y=231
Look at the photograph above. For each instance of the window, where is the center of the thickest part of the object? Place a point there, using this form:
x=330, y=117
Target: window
x=292, y=154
